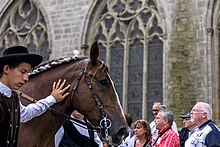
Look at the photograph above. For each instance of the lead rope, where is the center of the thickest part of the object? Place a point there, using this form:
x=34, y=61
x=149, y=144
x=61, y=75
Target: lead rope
x=25, y=96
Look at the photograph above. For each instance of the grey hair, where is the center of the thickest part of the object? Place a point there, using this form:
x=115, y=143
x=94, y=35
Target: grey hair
x=156, y=103
x=163, y=107
x=206, y=108
x=168, y=115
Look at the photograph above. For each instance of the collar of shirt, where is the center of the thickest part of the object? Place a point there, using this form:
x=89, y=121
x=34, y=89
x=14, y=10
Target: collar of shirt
x=163, y=130
x=5, y=90
x=204, y=124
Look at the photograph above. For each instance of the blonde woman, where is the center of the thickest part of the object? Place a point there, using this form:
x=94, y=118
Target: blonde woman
x=142, y=136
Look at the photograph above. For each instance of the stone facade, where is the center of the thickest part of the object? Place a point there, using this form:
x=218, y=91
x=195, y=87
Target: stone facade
x=190, y=35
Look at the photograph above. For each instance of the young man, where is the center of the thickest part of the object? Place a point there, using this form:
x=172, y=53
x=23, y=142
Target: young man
x=207, y=133
x=166, y=135
x=188, y=129
x=15, y=63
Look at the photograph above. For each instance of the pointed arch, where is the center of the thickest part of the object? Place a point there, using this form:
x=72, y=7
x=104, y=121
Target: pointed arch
x=22, y=23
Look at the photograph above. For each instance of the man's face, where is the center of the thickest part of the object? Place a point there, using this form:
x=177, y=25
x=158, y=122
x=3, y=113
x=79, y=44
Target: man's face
x=197, y=114
x=155, y=109
x=188, y=123
x=159, y=121
x=77, y=115
x=16, y=77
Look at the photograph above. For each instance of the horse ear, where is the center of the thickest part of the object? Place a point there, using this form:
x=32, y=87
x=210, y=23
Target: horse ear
x=94, y=53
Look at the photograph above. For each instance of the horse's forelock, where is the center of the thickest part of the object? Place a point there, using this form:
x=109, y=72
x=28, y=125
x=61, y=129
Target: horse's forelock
x=104, y=66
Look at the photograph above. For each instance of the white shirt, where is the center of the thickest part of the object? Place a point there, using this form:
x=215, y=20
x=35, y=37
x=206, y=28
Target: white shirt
x=83, y=130
x=129, y=140
x=32, y=110
x=154, y=131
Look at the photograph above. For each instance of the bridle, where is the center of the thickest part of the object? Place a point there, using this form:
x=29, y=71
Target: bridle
x=104, y=123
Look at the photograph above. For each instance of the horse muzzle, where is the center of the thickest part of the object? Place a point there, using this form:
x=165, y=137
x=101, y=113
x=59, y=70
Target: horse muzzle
x=121, y=135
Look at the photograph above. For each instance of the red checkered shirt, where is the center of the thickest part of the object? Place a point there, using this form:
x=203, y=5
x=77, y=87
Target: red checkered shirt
x=167, y=139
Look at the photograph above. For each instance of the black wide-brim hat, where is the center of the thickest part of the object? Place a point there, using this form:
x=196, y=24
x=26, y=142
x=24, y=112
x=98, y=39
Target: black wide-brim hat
x=19, y=54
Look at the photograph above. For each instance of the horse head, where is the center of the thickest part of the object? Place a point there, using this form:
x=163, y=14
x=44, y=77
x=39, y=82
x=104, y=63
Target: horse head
x=101, y=103
x=92, y=93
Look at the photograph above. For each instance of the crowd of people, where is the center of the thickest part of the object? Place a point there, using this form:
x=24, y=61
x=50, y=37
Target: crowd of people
x=16, y=62
x=198, y=131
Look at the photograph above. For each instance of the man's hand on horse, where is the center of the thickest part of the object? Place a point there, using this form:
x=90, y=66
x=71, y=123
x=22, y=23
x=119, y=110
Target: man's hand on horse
x=59, y=91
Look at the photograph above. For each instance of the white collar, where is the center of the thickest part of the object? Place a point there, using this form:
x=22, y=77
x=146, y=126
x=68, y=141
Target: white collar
x=5, y=90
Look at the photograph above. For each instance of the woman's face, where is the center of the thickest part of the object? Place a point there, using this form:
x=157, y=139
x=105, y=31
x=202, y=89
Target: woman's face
x=139, y=130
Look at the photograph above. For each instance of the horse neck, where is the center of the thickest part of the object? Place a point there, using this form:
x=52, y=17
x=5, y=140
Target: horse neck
x=48, y=123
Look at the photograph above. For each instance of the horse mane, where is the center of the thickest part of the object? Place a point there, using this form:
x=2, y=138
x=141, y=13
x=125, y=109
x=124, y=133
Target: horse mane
x=50, y=64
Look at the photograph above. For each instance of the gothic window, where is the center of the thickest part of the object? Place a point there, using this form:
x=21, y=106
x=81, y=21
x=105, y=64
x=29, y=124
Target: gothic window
x=129, y=34
x=23, y=24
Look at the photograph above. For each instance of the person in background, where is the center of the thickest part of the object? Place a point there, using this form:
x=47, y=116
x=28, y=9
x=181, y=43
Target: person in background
x=105, y=144
x=188, y=129
x=142, y=137
x=166, y=136
x=131, y=132
x=157, y=106
x=73, y=134
x=207, y=133
x=15, y=63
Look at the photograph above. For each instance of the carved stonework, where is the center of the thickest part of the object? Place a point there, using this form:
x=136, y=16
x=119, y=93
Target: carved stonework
x=24, y=24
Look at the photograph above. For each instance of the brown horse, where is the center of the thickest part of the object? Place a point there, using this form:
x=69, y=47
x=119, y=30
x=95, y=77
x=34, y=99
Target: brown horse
x=92, y=93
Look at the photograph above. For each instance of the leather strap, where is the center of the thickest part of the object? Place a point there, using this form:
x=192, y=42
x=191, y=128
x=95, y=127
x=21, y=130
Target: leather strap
x=27, y=97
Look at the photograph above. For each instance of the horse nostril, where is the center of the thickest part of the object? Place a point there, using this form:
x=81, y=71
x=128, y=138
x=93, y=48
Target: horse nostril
x=123, y=132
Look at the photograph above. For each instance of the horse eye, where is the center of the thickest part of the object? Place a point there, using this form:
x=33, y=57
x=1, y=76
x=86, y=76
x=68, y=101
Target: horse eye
x=104, y=82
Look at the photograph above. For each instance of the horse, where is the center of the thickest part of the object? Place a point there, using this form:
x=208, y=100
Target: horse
x=92, y=93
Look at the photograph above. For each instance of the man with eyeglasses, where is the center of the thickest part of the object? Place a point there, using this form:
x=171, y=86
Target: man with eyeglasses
x=157, y=106
x=207, y=134
x=188, y=129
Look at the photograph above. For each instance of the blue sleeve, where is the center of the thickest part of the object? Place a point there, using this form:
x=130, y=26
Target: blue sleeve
x=213, y=138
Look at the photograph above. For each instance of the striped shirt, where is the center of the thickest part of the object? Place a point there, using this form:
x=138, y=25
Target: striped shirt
x=167, y=138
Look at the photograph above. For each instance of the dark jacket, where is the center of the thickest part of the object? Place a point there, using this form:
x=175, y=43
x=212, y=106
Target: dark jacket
x=73, y=138
x=9, y=120
x=183, y=135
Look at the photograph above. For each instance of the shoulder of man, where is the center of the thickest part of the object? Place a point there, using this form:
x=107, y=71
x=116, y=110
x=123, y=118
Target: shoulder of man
x=172, y=133
x=213, y=137
x=183, y=134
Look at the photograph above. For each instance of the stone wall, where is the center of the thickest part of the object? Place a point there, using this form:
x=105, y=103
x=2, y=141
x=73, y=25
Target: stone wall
x=186, y=54
x=66, y=19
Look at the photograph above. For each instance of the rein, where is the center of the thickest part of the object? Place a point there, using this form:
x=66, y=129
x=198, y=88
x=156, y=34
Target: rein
x=104, y=123
x=80, y=123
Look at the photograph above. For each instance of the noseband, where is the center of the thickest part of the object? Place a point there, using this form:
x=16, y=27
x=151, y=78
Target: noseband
x=104, y=123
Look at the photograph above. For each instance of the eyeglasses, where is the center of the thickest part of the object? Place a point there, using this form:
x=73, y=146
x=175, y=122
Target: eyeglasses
x=196, y=110
x=155, y=110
